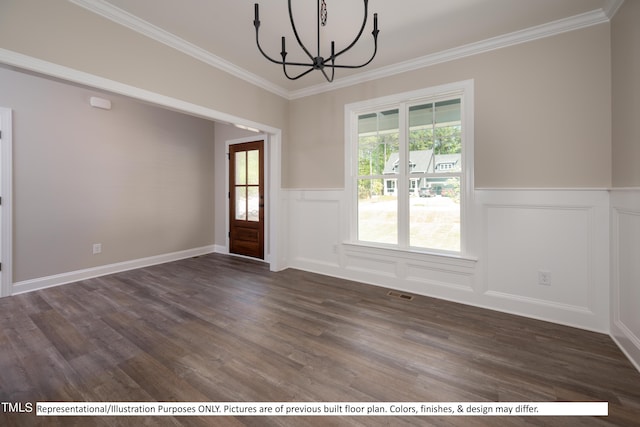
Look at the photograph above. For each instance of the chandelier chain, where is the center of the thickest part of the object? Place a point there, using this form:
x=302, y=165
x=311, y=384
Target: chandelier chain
x=323, y=13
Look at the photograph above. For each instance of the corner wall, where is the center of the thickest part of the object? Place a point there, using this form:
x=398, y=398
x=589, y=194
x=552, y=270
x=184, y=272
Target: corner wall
x=625, y=271
x=625, y=196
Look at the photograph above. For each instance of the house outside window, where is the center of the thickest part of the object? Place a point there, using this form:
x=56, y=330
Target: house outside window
x=410, y=159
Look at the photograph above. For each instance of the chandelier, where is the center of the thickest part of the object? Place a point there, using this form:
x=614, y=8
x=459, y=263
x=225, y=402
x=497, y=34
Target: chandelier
x=317, y=62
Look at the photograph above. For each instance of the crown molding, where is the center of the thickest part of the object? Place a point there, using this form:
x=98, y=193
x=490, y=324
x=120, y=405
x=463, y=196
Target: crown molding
x=611, y=7
x=117, y=15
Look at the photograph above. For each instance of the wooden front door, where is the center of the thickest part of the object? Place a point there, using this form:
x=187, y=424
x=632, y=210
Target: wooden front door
x=246, y=194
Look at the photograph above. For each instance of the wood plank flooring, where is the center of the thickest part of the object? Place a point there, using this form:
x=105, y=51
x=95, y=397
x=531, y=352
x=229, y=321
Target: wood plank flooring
x=218, y=328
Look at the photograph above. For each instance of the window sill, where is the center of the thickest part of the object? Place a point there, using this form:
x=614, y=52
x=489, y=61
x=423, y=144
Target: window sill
x=453, y=260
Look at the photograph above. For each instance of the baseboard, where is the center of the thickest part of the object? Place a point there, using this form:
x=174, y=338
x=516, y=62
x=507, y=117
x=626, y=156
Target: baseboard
x=627, y=342
x=103, y=270
x=221, y=249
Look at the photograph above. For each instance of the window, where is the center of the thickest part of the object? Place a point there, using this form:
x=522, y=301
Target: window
x=410, y=168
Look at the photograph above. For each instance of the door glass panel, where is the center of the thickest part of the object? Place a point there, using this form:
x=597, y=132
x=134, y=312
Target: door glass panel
x=241, y=168
x=241, y=203
x=253, y=167
x=254, y=204
x=377, y=211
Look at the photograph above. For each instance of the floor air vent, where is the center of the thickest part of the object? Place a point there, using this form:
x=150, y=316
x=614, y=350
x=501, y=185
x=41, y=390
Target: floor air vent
x=399, y=295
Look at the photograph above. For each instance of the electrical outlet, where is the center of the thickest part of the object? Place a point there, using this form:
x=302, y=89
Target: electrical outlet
x=97, y=248
x=544, y=278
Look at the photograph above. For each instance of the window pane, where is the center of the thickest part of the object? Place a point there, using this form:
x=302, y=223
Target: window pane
x=377, y=211
x=241, y=203
x=427, y=182
x=447, y=139
x=378, y=144
x=421, y=127
x=253, y=167
x=448, y=111
x=435, y=215
x=254, y=203
x=241, y=168
x=435, y=144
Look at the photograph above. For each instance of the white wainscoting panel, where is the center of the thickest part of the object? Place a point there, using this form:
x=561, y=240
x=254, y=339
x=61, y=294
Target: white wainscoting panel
x=565, y=237
x=425, y=274
x=516, y=233
x=625, y=271
x=314, y=229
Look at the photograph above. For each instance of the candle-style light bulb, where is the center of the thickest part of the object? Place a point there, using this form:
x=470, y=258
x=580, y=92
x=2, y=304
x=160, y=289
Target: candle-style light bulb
x=256, y=19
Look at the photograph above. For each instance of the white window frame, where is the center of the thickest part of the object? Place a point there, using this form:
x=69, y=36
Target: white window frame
x=463, y=90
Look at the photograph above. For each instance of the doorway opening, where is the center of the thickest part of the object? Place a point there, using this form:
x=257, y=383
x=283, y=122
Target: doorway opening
x=274, y=253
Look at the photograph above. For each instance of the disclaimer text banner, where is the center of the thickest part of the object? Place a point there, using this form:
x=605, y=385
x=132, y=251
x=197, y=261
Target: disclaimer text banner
x=236, y=409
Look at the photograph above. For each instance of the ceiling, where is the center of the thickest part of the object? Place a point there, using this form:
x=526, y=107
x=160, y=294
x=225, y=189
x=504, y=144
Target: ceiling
x=412, y=32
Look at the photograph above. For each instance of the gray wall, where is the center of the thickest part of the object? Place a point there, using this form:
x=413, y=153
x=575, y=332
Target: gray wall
x=625, y=53
x=136, y=178
x=542, y=115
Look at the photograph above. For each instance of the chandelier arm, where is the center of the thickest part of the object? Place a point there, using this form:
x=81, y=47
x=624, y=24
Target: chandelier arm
x=364, y=24
x=304, y=73
x=333, y=63
x=295, y=32
x=263, y=52
x=333, y=72
x=375, y=50
x=256, y=24
x=296, y=64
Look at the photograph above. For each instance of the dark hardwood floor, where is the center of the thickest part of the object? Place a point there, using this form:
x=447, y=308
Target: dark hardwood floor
x=217, y=328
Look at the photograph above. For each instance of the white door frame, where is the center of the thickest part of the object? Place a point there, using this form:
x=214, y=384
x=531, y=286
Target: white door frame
x=6, y=217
